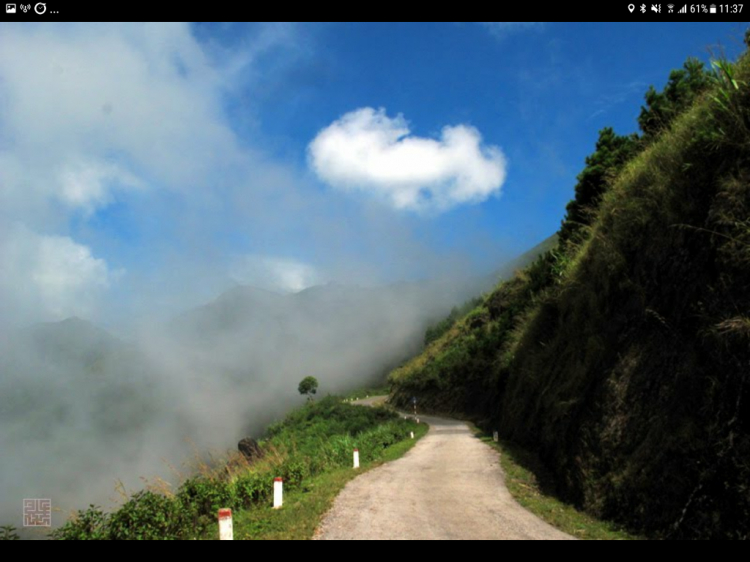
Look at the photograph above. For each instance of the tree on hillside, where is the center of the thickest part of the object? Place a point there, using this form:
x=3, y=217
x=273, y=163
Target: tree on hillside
x=612, y=151
x=308, y=387
x=683, y=87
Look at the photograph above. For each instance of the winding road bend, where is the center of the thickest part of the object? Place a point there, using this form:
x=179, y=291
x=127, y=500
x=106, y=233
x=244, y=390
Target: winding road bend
x=449, y=486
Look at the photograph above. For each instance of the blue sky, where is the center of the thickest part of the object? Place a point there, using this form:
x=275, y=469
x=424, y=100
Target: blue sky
x=146, y=168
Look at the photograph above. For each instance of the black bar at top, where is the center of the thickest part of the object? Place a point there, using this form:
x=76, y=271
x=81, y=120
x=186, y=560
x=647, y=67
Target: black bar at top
x=69, y=11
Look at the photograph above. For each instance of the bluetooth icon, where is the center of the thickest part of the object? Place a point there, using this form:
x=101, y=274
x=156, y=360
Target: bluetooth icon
x=643, y=8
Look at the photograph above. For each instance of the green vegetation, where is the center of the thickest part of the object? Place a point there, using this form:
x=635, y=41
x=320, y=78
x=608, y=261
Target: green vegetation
x=612, y=152
x=308, y=449
x=620, y=357
x=662, y=108
x=308, y=387
x=436, y=331
x=532, y=486
x=305, y=507
x=8, y=533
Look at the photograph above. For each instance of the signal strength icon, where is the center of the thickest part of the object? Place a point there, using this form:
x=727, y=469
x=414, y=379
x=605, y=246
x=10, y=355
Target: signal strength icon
x=670, y=7
x=683, y=10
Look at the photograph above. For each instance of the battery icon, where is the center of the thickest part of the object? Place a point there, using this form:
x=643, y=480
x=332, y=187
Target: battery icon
x=712, y=9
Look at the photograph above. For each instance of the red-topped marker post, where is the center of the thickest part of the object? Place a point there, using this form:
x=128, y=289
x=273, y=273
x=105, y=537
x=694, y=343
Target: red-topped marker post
x=226, y=528
x=278, y=493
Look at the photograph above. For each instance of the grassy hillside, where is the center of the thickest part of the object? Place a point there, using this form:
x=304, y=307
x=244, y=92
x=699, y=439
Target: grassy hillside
x=308, y=450
x=621, y=356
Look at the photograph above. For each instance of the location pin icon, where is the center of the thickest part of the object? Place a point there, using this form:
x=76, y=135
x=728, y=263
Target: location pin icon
x=631, y=7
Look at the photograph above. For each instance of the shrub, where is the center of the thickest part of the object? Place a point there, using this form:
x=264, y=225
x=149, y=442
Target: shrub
x=8, y=533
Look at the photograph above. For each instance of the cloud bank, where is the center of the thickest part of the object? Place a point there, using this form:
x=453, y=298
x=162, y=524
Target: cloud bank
x=89, y=116
x=49, y=277
x=367, y=151
x=117, y=140
x=89, y=109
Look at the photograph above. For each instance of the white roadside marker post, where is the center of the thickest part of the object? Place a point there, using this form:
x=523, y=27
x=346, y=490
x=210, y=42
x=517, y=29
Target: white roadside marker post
x=226, y=528
x=412, y=435
x=496, y=437
x=356, y=458
x=278, y=493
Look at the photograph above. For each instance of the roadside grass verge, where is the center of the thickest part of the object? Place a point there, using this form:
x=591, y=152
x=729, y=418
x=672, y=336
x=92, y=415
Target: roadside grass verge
x=304, y=508
x=531, y=486
x=311, y=449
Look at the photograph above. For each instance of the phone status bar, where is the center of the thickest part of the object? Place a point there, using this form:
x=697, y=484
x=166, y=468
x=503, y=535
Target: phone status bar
x=685, y=9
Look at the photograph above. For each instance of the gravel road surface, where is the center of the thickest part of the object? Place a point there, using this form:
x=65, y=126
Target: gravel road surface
x=449, y=486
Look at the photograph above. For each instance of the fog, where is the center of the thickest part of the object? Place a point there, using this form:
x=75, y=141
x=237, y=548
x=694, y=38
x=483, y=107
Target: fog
x=166, y=279
x=81, y=410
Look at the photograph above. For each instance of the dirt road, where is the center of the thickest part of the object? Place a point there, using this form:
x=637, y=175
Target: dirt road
x=449, y=486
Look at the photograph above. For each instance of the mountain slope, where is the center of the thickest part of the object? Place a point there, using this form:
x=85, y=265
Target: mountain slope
x=622, y=359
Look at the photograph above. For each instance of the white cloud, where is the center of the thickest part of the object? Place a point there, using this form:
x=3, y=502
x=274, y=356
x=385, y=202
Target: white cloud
x=87, y=185
x=273, y=273
x=366, y=150
x=54, y=276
